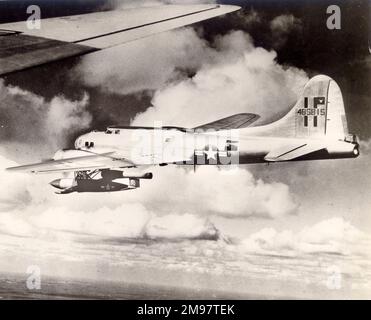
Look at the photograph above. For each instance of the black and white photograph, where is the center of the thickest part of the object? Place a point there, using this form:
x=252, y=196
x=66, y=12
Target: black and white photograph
x=185, y=150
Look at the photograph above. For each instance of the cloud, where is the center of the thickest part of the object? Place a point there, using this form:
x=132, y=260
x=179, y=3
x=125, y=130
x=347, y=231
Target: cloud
x=332, y=236
x=325, y=188
x=206, y=193
x=230, y=71
x=296, y=264
x=239, y=78
x=144, y=64
x=29, y=122
x=147, y=64
x=365, y=146
x=14, y=194
x=28, y=207
x=186, y=226
x=131, y=220
x=142, y=229
x=210, y=191
x=127, y=221
x=249, y=18
x=284, y=23
x=282, y=27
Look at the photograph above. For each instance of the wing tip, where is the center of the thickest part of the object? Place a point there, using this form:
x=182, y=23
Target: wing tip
x=18, y=169
x=230, y=7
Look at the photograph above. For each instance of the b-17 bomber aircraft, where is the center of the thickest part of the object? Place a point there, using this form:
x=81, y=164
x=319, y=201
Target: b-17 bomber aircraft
x=314, y=129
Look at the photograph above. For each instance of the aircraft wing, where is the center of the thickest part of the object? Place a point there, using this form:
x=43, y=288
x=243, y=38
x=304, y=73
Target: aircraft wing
x=237, y=121
x=82, y=163
x=292, y=152
x=64, y=37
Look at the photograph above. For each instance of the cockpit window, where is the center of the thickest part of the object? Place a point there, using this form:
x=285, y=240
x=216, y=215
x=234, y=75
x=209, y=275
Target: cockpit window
x=108, y=132
x=117, y=131
x=89, y=144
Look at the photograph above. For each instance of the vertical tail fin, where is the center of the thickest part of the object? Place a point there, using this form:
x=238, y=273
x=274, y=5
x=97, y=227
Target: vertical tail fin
x=318, y=113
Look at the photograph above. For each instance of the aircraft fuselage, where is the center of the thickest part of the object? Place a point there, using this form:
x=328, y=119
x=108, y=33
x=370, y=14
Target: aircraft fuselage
x=156, y=146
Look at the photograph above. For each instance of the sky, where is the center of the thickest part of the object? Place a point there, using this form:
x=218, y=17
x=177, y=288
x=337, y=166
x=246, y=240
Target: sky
x=281, y=230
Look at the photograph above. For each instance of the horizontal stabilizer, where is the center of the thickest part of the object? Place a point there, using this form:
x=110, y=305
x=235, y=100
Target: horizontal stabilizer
x=237, y=121
x=292, y=152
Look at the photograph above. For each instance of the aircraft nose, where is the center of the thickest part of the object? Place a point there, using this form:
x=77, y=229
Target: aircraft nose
x=78, y=142
x=56, y=184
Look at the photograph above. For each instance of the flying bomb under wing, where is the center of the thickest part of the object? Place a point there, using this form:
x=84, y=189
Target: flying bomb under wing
x=86, y=182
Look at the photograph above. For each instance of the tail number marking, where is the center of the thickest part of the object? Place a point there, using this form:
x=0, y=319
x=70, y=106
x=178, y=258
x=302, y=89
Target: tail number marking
x=315, y=112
